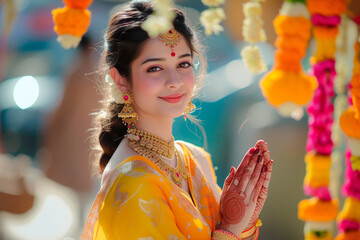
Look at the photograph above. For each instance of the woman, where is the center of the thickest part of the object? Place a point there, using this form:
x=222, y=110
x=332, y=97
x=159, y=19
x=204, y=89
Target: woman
x=153, y=187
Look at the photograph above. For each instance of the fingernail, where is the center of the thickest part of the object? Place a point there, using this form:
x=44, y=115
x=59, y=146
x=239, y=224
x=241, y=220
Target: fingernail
x=252, y=150
x=257, y=151
x=259, y=158
x=263, y=169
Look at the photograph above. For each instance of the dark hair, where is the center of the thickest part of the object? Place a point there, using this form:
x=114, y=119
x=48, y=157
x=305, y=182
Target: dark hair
x=124, y=40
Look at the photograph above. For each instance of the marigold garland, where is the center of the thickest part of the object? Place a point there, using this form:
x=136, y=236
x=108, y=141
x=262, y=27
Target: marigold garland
x=319, y=144
x=71, y=22
x=286, y=86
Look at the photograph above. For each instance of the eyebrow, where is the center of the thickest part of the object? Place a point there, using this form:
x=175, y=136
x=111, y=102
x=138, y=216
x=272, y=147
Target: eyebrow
x=163, y=59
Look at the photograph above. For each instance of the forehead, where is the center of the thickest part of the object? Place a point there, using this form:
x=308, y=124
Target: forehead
x=157, y=47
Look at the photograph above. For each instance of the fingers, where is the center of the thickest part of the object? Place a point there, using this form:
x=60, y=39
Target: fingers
x=259, y=184
x=241, y=179
x=229, y=178
x=261, y=190
x=268, y=174
x=245, y=162
x=254, y=180
x=263, y=156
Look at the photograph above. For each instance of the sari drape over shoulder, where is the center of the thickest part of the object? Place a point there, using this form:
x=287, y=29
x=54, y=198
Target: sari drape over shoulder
x=137, y=201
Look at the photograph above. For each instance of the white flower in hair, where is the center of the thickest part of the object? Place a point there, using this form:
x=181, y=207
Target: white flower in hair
x=160, y=21
x=156, y=25
x=211, y=19
x=114, y=90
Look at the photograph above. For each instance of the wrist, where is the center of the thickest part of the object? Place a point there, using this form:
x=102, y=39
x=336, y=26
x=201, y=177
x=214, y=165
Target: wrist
x=220, y=234
x=250, y=234
x=252, y=231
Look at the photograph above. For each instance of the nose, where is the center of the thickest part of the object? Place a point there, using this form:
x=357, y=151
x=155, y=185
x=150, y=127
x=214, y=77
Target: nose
x=173, y=79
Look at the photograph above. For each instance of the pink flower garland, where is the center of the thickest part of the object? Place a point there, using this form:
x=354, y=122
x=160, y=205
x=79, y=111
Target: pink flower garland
x=321, y=109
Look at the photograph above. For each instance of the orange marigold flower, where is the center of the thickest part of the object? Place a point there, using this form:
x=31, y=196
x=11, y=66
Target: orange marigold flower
x=71, y=21
x=291, y=42
x=326, y=7
x=280, y=86
x=350, y=122
x=326, y=32
x=298, y=26
x=350, y=235
x=78, y=4
x=314, y=209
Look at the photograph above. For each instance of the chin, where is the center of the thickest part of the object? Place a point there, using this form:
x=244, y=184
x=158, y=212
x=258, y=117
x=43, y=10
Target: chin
x=173, y=113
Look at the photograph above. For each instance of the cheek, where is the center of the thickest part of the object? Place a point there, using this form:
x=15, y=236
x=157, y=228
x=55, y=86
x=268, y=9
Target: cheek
x=190, y=80
x=146, y=85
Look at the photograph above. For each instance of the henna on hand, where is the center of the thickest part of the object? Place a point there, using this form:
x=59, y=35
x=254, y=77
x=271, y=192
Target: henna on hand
x=261, y=193
x=234, y=201
x=245, y=191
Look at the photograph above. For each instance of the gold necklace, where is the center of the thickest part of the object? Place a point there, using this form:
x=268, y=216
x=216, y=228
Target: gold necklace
x=176, y=174
x=153, y=142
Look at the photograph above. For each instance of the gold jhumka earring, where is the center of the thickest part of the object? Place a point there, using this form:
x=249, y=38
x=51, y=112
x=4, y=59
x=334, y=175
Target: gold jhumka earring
x=188, y=109
x=171, y=39
x=127, y=114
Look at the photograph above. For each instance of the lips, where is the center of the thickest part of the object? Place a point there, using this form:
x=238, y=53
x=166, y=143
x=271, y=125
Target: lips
x=175, y=98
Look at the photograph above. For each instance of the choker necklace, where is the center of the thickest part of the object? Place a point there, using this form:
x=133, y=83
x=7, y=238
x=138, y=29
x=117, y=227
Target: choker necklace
x=154, y=147
x=152, y=142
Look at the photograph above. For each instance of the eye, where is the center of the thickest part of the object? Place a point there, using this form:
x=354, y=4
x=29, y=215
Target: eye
x=154, y=69
x=185, y=65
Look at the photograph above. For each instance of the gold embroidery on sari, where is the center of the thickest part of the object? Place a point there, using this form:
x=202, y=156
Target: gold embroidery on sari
x=153, y=210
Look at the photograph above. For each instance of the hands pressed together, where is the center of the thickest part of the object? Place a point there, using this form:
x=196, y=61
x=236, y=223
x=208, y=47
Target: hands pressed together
x=245, y=190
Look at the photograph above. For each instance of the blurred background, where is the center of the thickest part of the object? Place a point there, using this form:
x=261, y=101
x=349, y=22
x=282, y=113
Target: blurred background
x=47, y=95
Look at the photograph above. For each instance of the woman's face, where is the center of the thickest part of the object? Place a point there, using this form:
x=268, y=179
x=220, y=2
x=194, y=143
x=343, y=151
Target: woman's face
x=162, y=84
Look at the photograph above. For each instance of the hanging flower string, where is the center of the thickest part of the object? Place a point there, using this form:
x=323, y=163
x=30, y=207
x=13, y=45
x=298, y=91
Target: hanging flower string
x=160, y=21
x=71, y=22
x=325, y=18
x=253, y=32
x=340, y=105
x=211, y=18
x=287, y=87
x=349, y=217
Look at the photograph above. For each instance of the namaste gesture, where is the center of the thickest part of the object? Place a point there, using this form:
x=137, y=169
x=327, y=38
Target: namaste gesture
x=245, y=190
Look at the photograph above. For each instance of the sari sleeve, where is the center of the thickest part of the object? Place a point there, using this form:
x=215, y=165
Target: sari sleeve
x=136, y=207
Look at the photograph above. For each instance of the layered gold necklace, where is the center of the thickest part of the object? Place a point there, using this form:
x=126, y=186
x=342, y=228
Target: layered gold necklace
x=155, y=148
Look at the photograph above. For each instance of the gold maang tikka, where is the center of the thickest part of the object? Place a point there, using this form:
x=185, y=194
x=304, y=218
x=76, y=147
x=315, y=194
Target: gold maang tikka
x=171, y=39
x=127, y=114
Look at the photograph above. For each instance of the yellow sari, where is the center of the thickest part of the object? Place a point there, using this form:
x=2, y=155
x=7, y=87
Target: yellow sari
x=137, y=201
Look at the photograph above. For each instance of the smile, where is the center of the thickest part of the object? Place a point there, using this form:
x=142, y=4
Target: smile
x=173, y=98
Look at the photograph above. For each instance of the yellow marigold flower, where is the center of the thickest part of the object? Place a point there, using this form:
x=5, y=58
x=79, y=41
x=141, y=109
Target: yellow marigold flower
x=351, y=210
x=211, y=19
